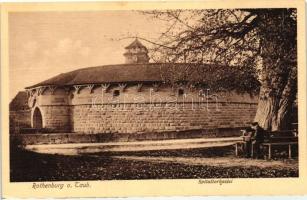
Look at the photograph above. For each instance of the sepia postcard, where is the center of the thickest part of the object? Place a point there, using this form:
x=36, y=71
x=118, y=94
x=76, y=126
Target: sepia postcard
x=121, y=99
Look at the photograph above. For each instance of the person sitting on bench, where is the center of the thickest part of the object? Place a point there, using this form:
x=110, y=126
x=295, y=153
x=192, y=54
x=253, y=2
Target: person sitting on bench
x=247, y=145
x=257, y=139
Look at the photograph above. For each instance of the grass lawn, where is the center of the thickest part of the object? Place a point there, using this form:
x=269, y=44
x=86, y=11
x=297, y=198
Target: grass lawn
x=217, y=162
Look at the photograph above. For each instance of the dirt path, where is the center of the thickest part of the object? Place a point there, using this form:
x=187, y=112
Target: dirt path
x=218, y=162
x=83, y=148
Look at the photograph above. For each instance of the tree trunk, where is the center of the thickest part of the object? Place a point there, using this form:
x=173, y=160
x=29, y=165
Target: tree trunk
x=266, y=111
x=283, y=119
x=274, y=113
x=279, y=70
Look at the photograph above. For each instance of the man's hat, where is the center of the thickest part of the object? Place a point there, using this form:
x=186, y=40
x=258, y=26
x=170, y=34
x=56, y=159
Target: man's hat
x=255, y=124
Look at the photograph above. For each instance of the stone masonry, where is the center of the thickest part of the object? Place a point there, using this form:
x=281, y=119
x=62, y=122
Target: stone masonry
x=133, y=118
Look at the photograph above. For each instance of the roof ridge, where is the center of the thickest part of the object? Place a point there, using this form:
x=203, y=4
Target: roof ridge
x=133, y=72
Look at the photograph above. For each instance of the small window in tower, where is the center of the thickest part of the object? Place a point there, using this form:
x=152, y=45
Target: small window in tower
x=116, y=93
x=180, y=92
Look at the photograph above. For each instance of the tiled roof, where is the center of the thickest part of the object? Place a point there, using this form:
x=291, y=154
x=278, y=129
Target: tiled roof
x=147, y=72
x=142, y=73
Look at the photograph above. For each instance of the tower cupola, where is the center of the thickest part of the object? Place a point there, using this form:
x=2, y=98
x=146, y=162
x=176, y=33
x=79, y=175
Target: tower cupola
x=136, y=52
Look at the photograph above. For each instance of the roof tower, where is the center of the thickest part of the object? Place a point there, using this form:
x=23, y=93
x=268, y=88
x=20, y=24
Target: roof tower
x=136, y=52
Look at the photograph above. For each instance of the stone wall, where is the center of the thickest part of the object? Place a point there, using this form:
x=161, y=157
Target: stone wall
x=56, y=118
x=19, y=119
x=64, y=138
x=91, y=109
x=20, y=113
x=139, y=118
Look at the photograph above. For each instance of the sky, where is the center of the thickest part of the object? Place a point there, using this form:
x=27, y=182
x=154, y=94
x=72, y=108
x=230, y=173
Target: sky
x=45, y=44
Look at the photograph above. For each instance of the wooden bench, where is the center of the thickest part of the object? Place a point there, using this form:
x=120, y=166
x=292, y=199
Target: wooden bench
x=276, y=138
x=240, y=143
x=269, y=144
x=281, y=138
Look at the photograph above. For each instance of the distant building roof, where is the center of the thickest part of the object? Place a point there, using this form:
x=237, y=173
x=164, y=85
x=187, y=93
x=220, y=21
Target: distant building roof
x=20, y=101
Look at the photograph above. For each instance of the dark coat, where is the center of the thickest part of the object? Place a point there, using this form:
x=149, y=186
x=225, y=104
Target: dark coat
x=259, y=134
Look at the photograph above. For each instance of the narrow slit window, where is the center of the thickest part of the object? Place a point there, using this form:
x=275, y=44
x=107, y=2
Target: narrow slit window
x=180, y=92
x=116, y=93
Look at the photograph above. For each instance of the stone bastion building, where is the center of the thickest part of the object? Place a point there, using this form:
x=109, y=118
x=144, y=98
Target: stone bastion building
x=132, y=98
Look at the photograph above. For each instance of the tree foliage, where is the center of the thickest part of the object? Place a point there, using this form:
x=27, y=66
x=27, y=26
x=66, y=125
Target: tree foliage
x=248, y=50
